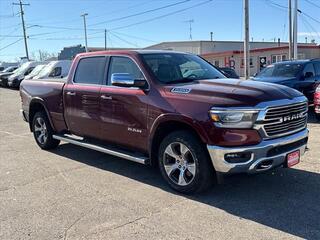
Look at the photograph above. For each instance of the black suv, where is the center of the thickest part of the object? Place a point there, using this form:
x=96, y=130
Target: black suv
x=302, y=75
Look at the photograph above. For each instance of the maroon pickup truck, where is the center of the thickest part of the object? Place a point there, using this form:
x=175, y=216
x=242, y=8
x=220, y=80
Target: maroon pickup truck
x=169, y=109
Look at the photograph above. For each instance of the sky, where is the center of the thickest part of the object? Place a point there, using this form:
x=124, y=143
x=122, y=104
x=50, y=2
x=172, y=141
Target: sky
x=54, y=24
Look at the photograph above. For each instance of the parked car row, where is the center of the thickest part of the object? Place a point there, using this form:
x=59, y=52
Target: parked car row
x=14, y=75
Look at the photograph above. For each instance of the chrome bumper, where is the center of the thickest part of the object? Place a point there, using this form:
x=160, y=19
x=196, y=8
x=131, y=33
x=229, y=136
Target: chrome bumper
x=260, y=154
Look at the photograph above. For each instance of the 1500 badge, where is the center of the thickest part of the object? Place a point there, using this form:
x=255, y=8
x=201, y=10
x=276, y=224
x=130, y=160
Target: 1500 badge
x=180, y=90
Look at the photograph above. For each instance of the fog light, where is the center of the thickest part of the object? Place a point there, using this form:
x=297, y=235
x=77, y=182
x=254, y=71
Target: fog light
x=238, y=157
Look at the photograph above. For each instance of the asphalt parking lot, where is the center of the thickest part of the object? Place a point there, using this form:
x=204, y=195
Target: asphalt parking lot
x=75, y=193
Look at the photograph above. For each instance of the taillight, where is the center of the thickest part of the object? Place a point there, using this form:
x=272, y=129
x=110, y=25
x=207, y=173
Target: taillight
x=317, y=97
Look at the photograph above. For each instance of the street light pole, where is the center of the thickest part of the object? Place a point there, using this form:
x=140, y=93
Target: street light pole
x=85, y=30
x=105, y=39
x=246, y=40
x=290, y=28
x=23, y=26
x=295, y=30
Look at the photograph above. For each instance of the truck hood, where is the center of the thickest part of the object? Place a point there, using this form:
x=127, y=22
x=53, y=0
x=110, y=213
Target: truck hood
x=230, y=92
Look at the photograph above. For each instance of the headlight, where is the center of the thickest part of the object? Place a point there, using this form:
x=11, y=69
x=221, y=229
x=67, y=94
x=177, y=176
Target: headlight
x=233, y=118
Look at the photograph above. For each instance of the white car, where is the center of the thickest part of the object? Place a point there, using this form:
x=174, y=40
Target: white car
x=55, y=69
x=35, y=71
x=19, y=74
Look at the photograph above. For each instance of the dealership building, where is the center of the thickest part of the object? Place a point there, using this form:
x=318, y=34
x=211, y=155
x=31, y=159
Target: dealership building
x=259, y=58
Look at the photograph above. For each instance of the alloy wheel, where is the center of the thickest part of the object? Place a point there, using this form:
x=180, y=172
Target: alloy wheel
x=179, y=164
x=40, y=130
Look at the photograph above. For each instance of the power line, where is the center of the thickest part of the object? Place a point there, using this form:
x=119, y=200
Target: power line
x=13, y=31
x=140, y=13
x=307, y=15
x=123, y=40
x=131, y=36
x=162, y=16
x=11, y=44
x=310, y=25
x=312, y=3
x=67, y=28
x=76, y=19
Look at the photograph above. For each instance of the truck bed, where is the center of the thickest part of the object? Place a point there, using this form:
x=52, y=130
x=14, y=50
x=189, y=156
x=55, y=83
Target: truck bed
x=50, y=91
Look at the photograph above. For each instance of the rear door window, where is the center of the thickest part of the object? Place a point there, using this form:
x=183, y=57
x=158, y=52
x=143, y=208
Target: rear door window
x=308, y=68
x=317, y=68
x=90, y=70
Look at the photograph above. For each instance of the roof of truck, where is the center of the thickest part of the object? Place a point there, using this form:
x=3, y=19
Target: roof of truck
x=129, y=52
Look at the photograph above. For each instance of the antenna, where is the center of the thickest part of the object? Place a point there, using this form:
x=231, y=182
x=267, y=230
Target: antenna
x=190, y=27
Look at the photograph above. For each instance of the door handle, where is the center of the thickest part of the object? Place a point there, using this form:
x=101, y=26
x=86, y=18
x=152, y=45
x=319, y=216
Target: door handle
x=71, y=93
x=106, y=97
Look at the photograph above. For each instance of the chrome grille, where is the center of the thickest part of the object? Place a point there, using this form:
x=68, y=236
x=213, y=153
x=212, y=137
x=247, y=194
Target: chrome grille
x=285, y=120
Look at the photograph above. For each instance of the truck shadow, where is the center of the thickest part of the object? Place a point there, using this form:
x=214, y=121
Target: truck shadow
x=284, y=199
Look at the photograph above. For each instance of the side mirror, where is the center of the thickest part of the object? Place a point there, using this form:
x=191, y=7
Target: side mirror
x=127, y=80
x=308, y=75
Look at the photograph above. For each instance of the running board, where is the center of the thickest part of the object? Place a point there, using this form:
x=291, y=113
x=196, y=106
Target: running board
x=139, y=158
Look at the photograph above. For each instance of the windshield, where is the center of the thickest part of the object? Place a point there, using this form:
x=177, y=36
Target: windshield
x=21, y=69
x=281, y=70
x=178, y=68
x=36, y=70
x=46, y=70
x=8, y=69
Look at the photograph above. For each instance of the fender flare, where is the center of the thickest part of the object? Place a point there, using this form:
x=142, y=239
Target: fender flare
x=43, y=104
x=168, y=117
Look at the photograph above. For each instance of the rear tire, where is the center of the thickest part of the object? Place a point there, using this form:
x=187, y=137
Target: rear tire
x=184, y=163
x=42, y=132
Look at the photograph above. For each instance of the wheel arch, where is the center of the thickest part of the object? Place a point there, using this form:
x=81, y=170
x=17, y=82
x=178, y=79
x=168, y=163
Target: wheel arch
x=37, y=105
x=166, y=124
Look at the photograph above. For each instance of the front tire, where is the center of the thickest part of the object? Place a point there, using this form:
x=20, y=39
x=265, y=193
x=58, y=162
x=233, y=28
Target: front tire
x=42, y=132
x=184, y=163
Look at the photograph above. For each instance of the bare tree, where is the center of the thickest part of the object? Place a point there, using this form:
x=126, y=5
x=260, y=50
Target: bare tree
x=42, y=55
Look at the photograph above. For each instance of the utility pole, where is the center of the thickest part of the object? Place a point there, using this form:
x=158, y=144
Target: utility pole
x=290, y=28
x=190, y=27
x=23, y=25
x=246, y=40
x=295, y=30
x=85, y=30
x=105, y=39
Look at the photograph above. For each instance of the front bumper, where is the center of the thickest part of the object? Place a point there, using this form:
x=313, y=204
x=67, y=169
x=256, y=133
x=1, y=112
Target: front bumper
x=264, y=156
x=13, y=83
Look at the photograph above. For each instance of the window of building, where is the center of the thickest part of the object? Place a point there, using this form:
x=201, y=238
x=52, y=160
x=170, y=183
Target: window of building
x=278, y=58
x=216, y=63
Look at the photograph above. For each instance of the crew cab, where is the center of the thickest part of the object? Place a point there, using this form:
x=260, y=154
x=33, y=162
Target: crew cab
x=302, y=75
x=144, y=107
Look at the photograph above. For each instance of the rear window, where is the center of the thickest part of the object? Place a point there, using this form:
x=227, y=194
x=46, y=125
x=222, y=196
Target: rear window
x=90, y=70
